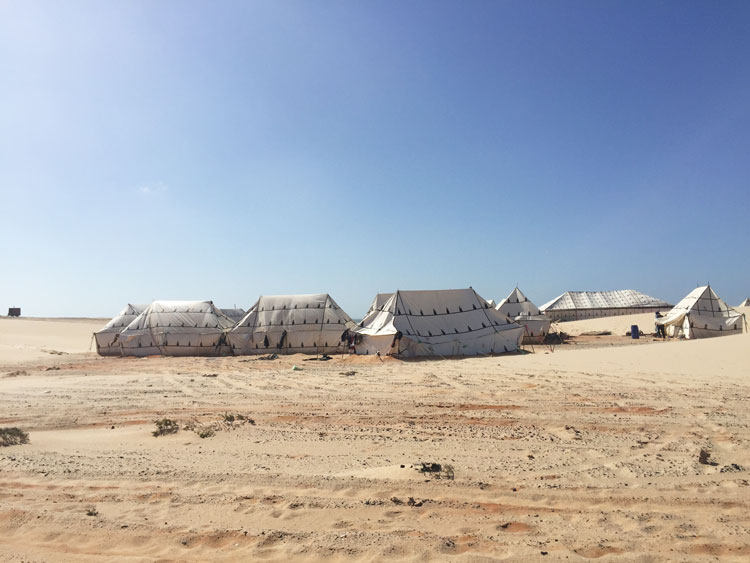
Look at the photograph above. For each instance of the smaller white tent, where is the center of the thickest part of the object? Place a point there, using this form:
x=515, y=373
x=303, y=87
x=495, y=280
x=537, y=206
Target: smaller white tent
x=106, y=338
x=491, y=303
x=292, y=324
x=745, y=303
x=452, y=322
x=702, y=314
x=177, y=328
x=518, y=307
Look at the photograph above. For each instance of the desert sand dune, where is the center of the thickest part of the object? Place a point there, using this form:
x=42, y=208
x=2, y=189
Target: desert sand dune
x=25, y=339
x=587, y=452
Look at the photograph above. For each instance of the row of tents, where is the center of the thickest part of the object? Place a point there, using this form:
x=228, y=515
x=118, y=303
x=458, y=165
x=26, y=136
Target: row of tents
x=405, y=323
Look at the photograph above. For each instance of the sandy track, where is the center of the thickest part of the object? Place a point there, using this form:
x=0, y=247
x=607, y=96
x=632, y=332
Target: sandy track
x=580, y=454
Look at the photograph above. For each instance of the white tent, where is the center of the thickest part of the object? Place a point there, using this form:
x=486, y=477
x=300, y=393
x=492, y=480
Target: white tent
x=518, y=307
x=234, y=314
x=745, y=303
x=491, y=303
x=454, y=322
x=702, y=314
x=290, y=324
x=177, y=328
x=106, y=338
x=574, y=305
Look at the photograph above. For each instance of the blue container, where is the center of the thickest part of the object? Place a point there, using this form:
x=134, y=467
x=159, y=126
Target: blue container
x=635, y=334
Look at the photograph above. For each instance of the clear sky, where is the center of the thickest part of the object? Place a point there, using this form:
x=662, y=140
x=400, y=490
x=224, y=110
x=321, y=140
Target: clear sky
x=222, y=150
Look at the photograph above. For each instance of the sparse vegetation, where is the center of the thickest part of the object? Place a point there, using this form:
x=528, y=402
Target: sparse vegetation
x=13, y=437
x=231, y=418
x=165, y=426
x=92, y=511
x=228, y=421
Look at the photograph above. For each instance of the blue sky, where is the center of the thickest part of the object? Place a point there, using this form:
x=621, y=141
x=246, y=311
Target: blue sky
x=222, y=150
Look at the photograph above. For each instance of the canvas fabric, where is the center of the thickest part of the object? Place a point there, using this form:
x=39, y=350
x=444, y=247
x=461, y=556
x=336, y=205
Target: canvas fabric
x=380, y=300
x=290, y=324
x=106, y=338
x=437, y=323
x=702, y=314
x=177, y=328
x=574, y=305
x=519, y=308
x=745, y=303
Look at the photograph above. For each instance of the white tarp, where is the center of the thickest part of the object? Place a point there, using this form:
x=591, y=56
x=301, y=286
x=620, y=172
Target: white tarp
x=702, y=314
x=518, y=307
x=106, y=338
x=290, y=324
x=745, y=303
x=573, y=305
x=377, y=303
x=177, y=328
x=454, y=322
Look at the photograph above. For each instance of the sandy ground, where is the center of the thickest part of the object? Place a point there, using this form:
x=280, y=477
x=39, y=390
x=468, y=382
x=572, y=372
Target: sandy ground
x=617, y=325
x=28, y=339
x=587, y=452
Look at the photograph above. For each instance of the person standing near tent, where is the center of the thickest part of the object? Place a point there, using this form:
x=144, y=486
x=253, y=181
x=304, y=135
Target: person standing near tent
x=659, y=327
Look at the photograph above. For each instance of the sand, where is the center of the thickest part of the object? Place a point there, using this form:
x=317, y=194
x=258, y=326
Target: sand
x=587, y=452
x=28, y=339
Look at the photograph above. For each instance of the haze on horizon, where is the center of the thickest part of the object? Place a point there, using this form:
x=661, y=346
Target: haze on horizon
x=223, y=150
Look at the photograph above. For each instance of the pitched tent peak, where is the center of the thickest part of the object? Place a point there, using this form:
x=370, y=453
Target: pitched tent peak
x=517, y=304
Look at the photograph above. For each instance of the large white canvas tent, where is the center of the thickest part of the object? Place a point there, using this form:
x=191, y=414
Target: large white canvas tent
x=702, y=314
x=290, y=324
x=177, y=328
x=234, y=314
x=745, y=303
x=518, y=307
x=574, y=305
x=453, y=322
x=106, y=338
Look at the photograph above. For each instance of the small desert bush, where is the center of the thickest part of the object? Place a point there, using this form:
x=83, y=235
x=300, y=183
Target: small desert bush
x=165, y=426
x=13, y=437
x=231, y=418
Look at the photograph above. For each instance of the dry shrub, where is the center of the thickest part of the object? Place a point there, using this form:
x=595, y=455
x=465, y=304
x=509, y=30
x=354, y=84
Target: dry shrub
x=13, y=437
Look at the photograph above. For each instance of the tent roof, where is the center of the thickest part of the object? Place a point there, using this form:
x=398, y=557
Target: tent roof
x=623, y=298
x=298, y=310
x=183, y=314
x=702, y=301
x=745, y=303
x=517, y=304
x=380, y=300
x=123, y=318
